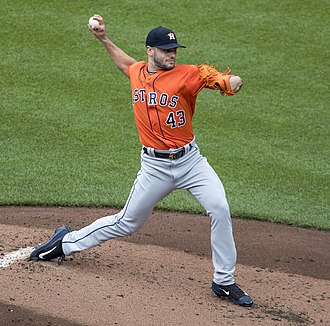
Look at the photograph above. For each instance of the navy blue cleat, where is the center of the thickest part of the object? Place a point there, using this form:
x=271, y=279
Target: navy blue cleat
x=52, y=248
x=234, y=293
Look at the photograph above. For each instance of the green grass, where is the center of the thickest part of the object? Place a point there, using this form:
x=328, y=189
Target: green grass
x=67, y=133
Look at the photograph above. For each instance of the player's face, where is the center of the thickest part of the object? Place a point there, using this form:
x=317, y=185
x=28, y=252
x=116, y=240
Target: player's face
x=164, y=59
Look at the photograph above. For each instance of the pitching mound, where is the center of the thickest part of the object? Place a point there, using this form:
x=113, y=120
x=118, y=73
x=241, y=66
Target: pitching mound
x=161, y=275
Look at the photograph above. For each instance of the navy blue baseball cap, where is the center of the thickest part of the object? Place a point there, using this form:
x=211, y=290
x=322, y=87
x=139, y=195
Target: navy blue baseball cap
x=162, y=38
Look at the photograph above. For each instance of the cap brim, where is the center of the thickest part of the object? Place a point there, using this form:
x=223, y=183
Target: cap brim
x=170, y=46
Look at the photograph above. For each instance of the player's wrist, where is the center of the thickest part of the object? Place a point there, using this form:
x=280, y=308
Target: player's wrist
x=104, y=39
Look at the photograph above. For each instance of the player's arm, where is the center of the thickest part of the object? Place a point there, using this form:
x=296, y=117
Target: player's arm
x=223, y=81
x=121, y=59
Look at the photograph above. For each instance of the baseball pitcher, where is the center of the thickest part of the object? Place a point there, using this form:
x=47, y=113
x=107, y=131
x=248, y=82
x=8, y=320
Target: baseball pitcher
x=163, y=97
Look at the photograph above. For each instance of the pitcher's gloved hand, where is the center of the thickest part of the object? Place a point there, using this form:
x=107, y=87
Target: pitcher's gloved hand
x=222, y=81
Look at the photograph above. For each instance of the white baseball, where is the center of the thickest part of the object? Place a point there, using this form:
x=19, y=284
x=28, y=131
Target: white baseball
x=93, y=23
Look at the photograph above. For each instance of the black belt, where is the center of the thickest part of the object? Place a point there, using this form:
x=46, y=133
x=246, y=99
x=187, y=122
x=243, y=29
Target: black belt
x=170, y=155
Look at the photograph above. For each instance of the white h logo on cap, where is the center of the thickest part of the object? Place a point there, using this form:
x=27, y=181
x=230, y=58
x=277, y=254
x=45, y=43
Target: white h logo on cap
x=171, y=36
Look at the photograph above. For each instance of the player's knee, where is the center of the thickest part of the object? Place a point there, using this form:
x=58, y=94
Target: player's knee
x=129, y=226
x=219, y=209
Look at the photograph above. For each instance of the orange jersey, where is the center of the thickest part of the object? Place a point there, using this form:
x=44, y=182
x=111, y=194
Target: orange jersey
x=164, y=104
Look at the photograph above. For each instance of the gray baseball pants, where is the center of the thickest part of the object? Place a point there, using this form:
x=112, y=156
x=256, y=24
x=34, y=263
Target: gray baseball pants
x=156, y=179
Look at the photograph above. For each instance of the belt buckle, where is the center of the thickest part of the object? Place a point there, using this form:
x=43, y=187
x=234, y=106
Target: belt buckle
x=172, y=156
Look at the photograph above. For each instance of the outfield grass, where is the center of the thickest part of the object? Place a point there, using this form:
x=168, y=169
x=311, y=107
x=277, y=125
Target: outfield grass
x=67, y=134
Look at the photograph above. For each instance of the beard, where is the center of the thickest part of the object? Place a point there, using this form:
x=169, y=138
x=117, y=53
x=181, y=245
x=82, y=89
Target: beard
x=161, y=64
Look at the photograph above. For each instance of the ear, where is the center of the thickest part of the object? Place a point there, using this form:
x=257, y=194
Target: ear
x=150, y=51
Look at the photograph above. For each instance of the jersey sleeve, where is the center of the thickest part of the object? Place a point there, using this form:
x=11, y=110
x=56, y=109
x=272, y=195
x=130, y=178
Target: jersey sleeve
x=194, y=80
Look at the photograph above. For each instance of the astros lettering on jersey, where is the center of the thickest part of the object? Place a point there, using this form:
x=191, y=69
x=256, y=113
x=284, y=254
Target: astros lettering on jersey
x=164, y=104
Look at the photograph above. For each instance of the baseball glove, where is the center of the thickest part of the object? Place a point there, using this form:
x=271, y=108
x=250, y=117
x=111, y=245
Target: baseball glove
x=215, y=79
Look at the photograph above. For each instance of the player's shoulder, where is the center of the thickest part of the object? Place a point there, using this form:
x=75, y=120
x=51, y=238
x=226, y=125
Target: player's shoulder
x=136, y=66
x=186, y=67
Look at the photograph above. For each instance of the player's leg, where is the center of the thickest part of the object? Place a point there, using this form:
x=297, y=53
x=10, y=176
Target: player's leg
x=207, y=189
x=197, y=176
x=148, y=189
x=205, y=185
x=153, y=183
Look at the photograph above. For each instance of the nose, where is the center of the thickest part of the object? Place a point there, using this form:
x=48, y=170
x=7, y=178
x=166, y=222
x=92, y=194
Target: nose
x=172, y=54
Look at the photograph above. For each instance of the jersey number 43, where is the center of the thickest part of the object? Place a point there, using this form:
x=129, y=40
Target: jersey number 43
x=176, y=119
